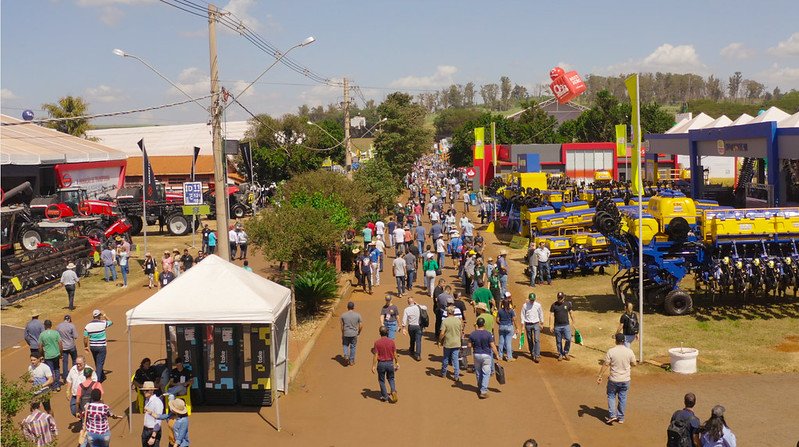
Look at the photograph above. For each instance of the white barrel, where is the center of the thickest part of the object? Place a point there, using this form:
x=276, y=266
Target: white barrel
x=683, y=360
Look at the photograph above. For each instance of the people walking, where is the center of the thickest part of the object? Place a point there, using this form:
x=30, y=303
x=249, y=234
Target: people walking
x=95, y=340
x=532, y=319
x=242, y=241
x=430, y=267
x=410, y=268
x=75, y=377
x=628, y=324
x=483, y=347
x=366, y=272
x=351, y=326
x=177, y=423
x=41, y=378
x=400, y=269
x=70, y=280
x=412, y=327
x=506, y=320
x=440, y=303
x=561, y=313
x=206, y=232
x=69, y=335
x=451, y=340
x=50, y=347
x=95, y=420
x=532, y=264
x=389, y=316
x=542, y=254
x=39, y=427
x=33, y=329
x=385, y=363
x=619, y=360
x=123, y=257
x=232, y=242
x=153, y=408
x=502, y=271
x=716, y=432
x=683, y=429
x=149, y=268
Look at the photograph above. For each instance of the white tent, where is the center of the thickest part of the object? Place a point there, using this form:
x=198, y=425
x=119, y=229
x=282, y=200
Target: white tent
x=215, y=291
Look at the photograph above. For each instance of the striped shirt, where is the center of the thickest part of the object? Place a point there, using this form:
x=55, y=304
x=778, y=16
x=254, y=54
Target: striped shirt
x=39, y=427
x=95, y=330
x=97, y=414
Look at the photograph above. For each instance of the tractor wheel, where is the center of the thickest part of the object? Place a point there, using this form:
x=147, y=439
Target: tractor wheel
x=136, y=225
x=678, y=229
x=30, y=238
x=238, y=211
x=178, y=224
x=83, y=267
x=95, y=233
x=678, y=302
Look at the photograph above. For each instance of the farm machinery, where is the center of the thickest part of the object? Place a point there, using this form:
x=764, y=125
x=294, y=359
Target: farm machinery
x=747, y=252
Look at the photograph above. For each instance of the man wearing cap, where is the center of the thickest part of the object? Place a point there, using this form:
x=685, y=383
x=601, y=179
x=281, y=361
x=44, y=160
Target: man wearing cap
x=620, y=360
x=96, y=341
x=50, y=347
x=532, y=264
x=486, y=315
x=502, y=270
x=389, y=315
x=483, y=295
x=69, y=334
x=561, y=313
x=351, y=326
x=33, y=330
x=74, y=379
x=482, y=342
x=153, y=408
x=69, y=279
x=84, y=388
x=532, y=319
x=450, y=339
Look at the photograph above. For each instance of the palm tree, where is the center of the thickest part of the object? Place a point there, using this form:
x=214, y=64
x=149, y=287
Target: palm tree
x=67, y=107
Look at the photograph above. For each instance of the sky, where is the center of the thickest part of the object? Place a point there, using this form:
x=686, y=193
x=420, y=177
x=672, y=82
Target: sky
x=52, y=48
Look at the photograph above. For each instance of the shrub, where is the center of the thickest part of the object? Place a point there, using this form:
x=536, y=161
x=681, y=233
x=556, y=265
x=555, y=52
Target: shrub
x=15, y=396
x=314, y=284
x=366, y=218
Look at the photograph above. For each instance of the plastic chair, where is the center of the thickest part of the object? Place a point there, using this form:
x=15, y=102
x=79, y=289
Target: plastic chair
x=186, y=398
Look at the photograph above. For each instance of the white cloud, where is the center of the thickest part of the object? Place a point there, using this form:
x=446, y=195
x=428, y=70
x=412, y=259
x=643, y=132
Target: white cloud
x=441, y=78
x=111, y=2
x=788, y=47
x=665, y=58
x=197, y=83
x=241, y=10
x=322, y=95
x=111, y=15
x=6, y=94
x=104, y=93
x=736, y=50
x=785, y=78
x=565, y=66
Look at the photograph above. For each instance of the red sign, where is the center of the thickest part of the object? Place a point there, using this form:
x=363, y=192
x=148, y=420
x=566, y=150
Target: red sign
x=565, y=85
x=53, y=212
x=66, y=180
x=470, y=173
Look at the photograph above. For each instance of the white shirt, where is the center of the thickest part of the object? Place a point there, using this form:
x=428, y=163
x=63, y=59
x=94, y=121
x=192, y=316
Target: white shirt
x=232, y=236
x=466, y=197
x=380, y=227
x=542, y=253
x=464, y=221
x=434, y=216
x=468, y=229
x=441, y=247
x=399, y=235
x=75, y=378
x=155, y=405
x=380, y=245
x=532, y=313
x=400, y=267
x=410, y=316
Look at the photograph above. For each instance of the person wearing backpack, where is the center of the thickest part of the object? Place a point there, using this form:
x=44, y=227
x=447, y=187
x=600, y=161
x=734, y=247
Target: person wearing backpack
x=414, y=320
x=683, y=429
x=74, y=379
x=84, y=395
x=628, y=324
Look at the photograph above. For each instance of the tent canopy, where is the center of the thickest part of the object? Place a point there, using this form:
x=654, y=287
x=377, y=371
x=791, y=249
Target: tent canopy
x=214, y=291
x=167, y=140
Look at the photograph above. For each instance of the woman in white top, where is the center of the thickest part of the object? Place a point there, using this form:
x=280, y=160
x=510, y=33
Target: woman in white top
x=122, y=256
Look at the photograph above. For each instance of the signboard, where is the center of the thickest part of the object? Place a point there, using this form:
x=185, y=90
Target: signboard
x=192, y=193
x=190, y=210
x=519, y=242
x=470, y=173
x=100, y=177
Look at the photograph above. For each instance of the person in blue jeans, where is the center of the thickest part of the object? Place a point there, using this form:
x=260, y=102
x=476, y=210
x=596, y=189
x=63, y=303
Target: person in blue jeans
x=619, y=360
x=108, y=257
x=482, y=343
x=389, y=315
x=561, y=312
x=506, y=319
x=351, y=326
x=384, y=364
x=450, y=338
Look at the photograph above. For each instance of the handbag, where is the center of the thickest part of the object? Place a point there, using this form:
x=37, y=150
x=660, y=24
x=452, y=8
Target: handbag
x=500, y=372
x=438, y=272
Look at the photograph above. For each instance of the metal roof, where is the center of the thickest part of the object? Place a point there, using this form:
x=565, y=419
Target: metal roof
x=31, y=144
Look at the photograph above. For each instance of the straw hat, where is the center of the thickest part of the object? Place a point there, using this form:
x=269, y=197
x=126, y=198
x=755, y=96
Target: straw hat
x=34, y=313
x=148, y=386
x=482, y=306
x=355, y=251
x=70, y=266
x=178, y=406
x=503, y=252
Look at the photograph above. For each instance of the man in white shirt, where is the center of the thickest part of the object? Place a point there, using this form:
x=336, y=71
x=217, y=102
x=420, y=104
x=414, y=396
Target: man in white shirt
x=542, y=253
x=468, y=232
x=412, y=327
x=532, y=319
x=441, y=251
x=74, y=379
x=380, y=245
x=400, y=271
x=399, y=240
x=434, y=216
x=232, y=241
x=153, y=407
x=466, y=200
x=380, y=228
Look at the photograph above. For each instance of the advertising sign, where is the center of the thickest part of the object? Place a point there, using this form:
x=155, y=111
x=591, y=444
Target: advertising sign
x=99, y=178
x=192, y=193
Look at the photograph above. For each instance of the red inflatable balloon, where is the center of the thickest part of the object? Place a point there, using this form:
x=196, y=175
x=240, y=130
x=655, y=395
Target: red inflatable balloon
x=565, y=85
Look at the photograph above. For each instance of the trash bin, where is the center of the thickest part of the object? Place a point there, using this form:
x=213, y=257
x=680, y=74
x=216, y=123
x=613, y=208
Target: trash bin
x=683, y=360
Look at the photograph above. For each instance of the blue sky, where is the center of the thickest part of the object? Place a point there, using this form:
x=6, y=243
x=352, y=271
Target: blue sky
x=51, y=48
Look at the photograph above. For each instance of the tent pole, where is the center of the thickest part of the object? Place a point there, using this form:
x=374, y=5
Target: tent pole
x=275, y=398
x=130, y=396
x=286, y=363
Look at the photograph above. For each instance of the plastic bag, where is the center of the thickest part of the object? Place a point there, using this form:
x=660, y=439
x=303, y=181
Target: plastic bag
x=578, y=337
x=521, y=341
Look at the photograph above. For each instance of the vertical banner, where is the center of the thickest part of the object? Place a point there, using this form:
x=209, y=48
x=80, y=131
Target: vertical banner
x=148, y=176
x=632, y=89
x=246, y=155
x=479, y=143
x=194, y=162
x=621, y=140
x=494, y=150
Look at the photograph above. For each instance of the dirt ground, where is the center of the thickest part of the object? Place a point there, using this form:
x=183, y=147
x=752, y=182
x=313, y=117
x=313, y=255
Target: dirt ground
x=556, y=403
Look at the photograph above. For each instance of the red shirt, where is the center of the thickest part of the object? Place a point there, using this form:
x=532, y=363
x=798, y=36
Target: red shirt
x=385, y=349
x=371, y=226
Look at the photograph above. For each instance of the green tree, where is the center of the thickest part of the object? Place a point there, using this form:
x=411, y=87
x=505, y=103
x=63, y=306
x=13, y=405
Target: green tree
x=505, y=91
x=381, y=184
x=461, y=152
x=734, y=84
x=448, y=121
x=68, y=107
x=468, y=94
x=15, y=396
x=328, y=183
x=281, y=147
x=403, y=137
x=535, y=126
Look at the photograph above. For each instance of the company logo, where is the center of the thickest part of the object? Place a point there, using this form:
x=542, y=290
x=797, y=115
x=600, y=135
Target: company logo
x=66, y=180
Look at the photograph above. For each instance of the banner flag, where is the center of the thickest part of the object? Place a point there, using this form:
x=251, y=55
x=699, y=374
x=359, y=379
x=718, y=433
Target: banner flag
x=246, y=155
x=494, y=144
x=194, y=162
x=148, y=176
x=621, y=140
x=632, y=89
x=479, y=143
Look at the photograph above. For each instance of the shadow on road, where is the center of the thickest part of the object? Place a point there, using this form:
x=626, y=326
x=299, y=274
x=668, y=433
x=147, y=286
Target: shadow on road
x=596, y=412
x=340, y=359
x=370, y=394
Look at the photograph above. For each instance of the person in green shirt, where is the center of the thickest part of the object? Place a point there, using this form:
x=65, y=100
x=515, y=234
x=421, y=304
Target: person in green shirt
x=483, y=295
x=482, y=312
x=479, y=272
x=50, y=344
x=493, y=284
x=450, y=338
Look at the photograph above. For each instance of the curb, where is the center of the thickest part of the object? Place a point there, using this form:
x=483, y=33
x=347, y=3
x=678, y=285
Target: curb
x=306, y=350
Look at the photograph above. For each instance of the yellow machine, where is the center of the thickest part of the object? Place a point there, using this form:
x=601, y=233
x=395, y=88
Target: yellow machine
x=574, y=206
x=734, y=223
x=603, y=176
x=555, y=244
x=529, y=179
x=667, y=205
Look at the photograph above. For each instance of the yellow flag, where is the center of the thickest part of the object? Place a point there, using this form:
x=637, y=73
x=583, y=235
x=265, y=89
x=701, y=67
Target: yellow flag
x=494, y=143
x=479, y=143
x=632, y=90
x=621, y=140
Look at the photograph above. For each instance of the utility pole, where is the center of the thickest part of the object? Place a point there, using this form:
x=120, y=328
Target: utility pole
x=348, y=153
x=220, y=176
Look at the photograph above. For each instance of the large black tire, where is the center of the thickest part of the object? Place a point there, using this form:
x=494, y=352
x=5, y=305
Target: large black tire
x=29, y=238
x=95, y=233
x=678, y=302
x=136, y=225
x=178, y=224
x=238, y=211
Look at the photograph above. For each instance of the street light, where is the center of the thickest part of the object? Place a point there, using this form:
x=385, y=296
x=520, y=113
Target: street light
x=122, y=53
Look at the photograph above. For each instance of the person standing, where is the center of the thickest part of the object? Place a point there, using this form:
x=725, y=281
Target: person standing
x=211, y=243
x=411, y=326
x=96, y=341
x=108, y=257
x=410, y=268
x=149, y=268
x=391, y=227
x=482, y=343
x=561, y=312
x=186, y=260
x=50, y=344
x=206, y=233
x=483, y=295
x=153, y=408
x=366, y=272
x=532, y=264
x=232, y=242
x=450, y=338
x=628, y=324
x=39, y=427
x=466, y=200
x=177, y=422
x=95, y=419
x=70, y=279
x=506, y=319
x=542, y=254
x=367, y=238
x=399, y=240
x=177, y=267
x=420, y=236
x=33, y=330
x=440, y=303
x=620, y=360
x=441, y=251
x=400, y=274
x=69, y=334
x=374, y=256
x=716, y=432
x=351, y=327
x=380, y=229
x=532, y=319
x=502, y=271
x=683, y=429
x=242, y=239
x=389, y=315
x=385, y=363
x=123, y=256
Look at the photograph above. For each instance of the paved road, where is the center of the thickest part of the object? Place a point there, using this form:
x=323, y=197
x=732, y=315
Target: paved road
x=11, y=336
